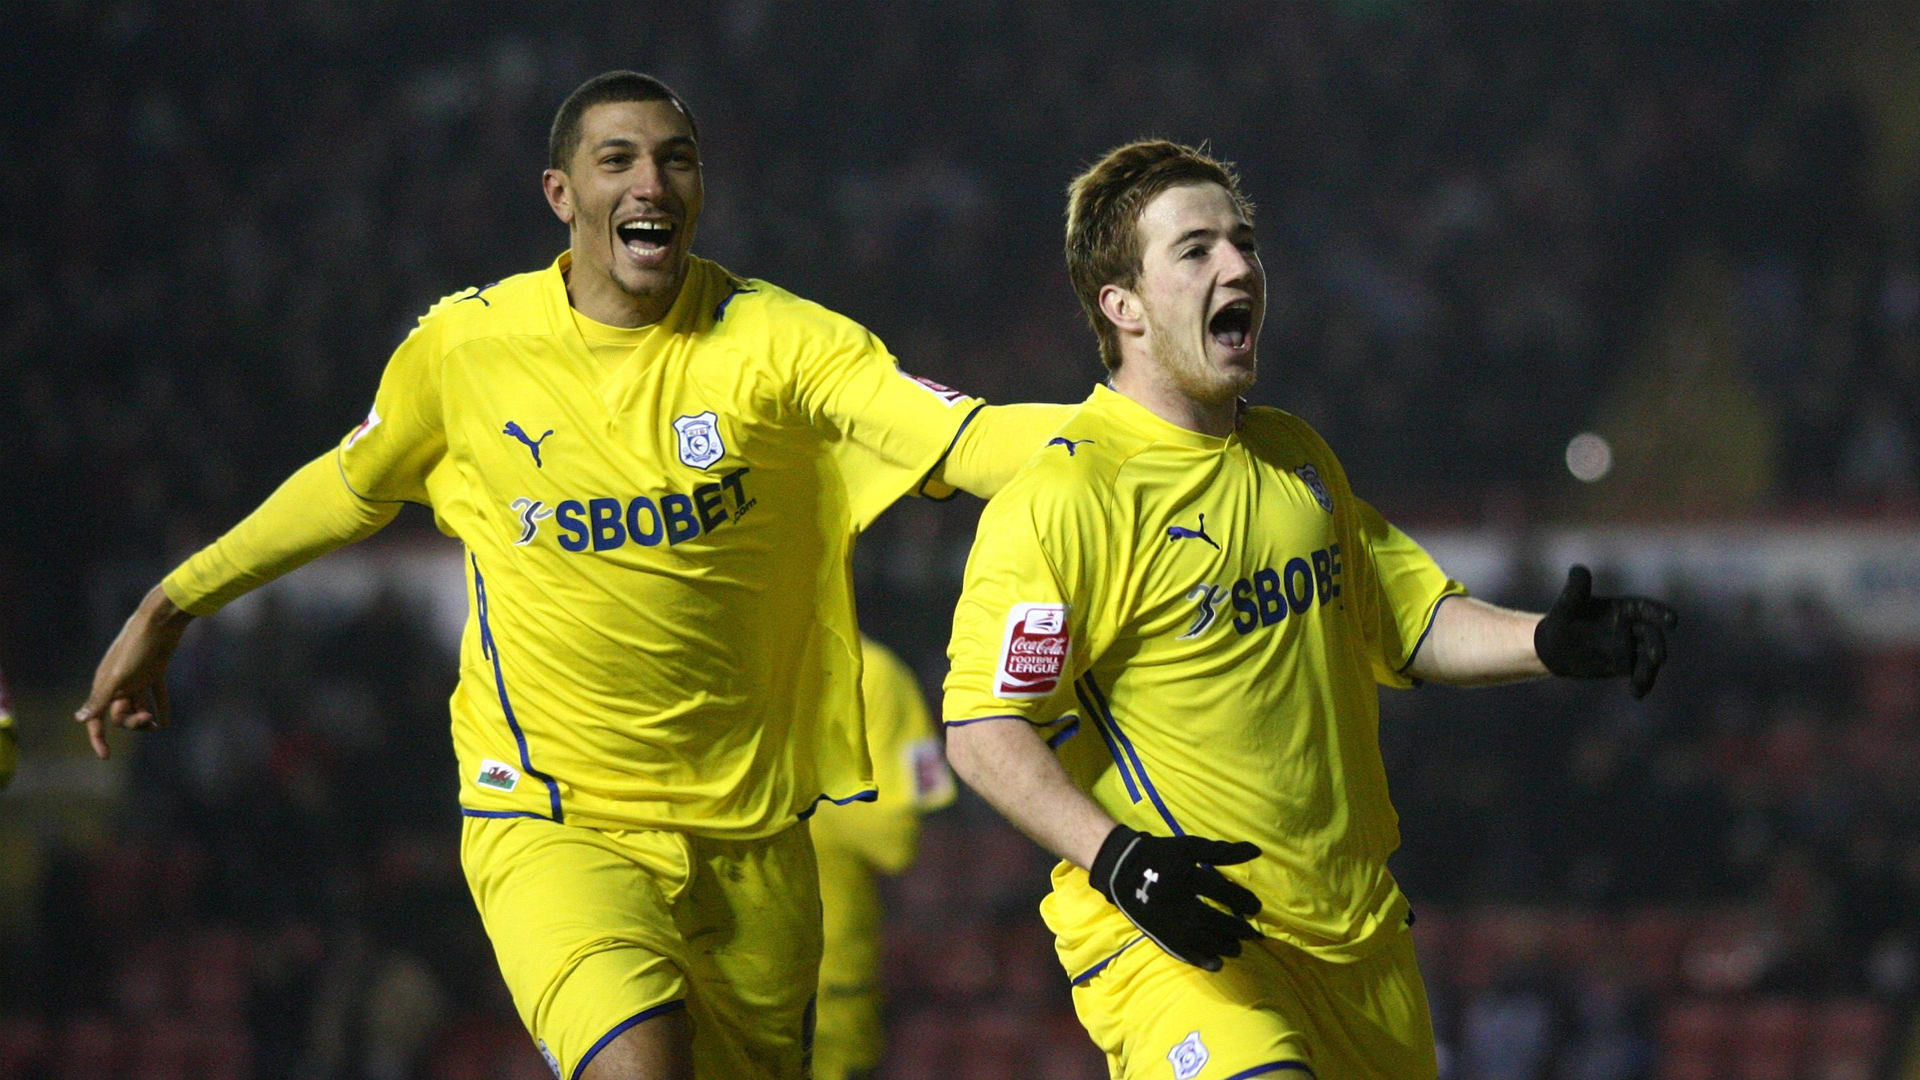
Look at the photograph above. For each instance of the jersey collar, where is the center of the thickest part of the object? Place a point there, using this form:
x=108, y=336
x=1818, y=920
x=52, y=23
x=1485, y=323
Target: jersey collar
x=1120, y=407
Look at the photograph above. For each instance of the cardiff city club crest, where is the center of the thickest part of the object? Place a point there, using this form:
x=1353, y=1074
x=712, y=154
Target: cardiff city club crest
x=700, y=444
x=1311, y=477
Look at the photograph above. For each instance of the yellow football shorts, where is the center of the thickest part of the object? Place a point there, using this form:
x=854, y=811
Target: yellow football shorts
x=598, y=930
x=1273, y=1010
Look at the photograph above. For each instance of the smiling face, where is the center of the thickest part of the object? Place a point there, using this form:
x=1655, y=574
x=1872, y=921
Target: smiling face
x=1195, y=309
x=631, y=198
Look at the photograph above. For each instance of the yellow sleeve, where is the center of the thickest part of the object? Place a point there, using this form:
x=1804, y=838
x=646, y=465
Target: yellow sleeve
x=389, y=456
x=348, y=494
x=1020, y=628
x=886, y=430
x=996, y=441
x=309, y=515
x=1407, y=587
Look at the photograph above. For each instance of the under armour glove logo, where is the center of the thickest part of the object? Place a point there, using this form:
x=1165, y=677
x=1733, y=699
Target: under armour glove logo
x=1151, y=876
x=1195, y=915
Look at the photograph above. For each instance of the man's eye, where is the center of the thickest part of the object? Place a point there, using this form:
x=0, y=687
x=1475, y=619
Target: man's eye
x=1193, y=253
x=616, y=161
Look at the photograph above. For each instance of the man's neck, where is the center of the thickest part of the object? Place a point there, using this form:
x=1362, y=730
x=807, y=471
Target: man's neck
x=1148, y=385
x=598, y=298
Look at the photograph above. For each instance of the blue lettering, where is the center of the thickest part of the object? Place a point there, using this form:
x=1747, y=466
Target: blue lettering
x=650, y=535
x=1266, y=586
x=1323, y=574
x=1301, y=599
x=1333, y=556
x=706, y=497
x=567, y=516
x=604, y=515
x=733, y=483
x=608, y=523
x=681, y=524
x=1245, y=615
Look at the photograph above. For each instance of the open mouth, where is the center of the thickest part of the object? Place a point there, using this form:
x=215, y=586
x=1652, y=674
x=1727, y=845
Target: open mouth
x=1232, y=325
x=645, y=238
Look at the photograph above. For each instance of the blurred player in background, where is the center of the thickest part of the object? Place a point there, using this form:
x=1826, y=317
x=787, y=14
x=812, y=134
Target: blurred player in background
x=657, y=469
x=9, y=747
x=855, y=844
x=1193, y=580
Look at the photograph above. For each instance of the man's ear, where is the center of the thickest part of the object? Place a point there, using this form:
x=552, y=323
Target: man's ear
x=559, y=191
x=1122, y=308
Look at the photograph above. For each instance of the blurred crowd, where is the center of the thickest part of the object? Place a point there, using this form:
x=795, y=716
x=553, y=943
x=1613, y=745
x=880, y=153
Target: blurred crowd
x=1694, y=229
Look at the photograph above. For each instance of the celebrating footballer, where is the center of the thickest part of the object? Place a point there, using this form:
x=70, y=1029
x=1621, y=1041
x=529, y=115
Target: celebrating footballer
x=1165, y=659
x=657, y=469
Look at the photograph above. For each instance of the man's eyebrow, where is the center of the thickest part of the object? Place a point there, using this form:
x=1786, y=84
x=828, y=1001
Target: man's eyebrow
x=1194, y=234
x=623, y=143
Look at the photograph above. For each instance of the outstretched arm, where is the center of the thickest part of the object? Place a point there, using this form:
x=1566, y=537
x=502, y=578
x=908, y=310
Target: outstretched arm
x=1474, y=643
x=308, y=516
x=1582, y=636
x=997, y=441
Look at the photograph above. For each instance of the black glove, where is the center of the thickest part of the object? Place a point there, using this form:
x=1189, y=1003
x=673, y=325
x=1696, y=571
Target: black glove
x=1594, y=637
x=1157, y=883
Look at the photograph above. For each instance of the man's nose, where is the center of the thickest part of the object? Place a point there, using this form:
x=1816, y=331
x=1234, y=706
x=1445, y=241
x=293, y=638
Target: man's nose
x=649, y=181
x=1238, y=267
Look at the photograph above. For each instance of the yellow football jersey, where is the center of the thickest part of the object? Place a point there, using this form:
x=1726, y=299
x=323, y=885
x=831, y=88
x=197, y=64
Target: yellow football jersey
x=909, y=768
x=1197, y=624
x=661, y=626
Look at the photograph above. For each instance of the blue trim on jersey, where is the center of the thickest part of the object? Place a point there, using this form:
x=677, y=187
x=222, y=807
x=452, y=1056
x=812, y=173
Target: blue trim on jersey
x=1107, y=737
x=1096, y=969
x=983, y=719
x=1271, y=1067
x=464, y=812
x=1145, y=781
x=1054, y=740
x=920, y=489
x=492, y=652
x=622, y=1026
x=864, y=796
x=1432, y=617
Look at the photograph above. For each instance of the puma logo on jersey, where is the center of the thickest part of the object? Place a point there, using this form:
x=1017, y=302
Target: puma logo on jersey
x=532, y=445
x=1061, y=440
x=532, y=512
x=475, y=295
x=1208, y=597
x=1181, y=532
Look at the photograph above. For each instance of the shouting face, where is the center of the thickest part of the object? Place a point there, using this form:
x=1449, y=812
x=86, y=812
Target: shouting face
x=1201, y=294
x=630, y=197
